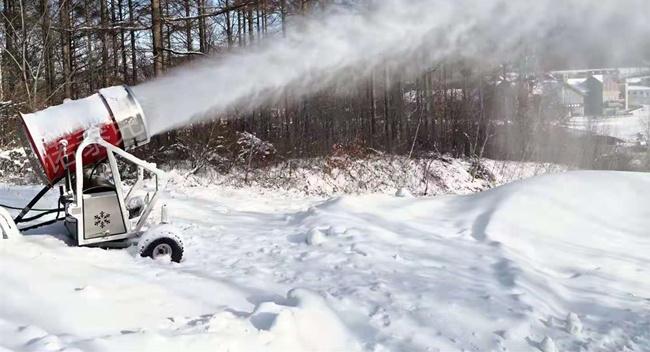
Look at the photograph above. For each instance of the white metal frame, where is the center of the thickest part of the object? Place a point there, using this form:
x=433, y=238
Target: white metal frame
x=133, y=226
x=8, y=228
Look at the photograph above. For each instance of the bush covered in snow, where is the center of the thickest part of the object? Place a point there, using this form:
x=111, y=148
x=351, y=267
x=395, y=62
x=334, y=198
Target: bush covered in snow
x=217, y=147
x=348, y=169
x=433, y=175
x=15, y=167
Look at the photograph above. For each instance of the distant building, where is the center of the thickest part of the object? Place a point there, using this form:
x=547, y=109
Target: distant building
x=613, y=90
x=604, y=91
x=594, y=97
x=636, y=90
x=572, y=98
x=638, y=95
x=588, y=92
x=580, y=96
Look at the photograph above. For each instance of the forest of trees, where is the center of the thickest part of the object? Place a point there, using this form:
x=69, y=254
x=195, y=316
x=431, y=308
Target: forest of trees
x=57, y=49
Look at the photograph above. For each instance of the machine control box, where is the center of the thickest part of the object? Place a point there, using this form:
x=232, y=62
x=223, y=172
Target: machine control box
x=103, y=215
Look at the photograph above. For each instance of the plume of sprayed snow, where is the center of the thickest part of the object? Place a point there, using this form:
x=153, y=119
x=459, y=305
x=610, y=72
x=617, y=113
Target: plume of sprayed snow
x=344, y=45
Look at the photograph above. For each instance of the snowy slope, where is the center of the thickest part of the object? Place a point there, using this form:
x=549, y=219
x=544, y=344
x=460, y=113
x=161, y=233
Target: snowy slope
x=552, y=263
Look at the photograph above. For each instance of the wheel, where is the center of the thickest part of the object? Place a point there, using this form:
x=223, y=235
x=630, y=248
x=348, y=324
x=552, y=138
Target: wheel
x=164, y=247
x=160, y=242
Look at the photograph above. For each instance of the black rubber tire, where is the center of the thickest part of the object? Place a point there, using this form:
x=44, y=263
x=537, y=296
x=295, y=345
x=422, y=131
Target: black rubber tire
x=177, y=249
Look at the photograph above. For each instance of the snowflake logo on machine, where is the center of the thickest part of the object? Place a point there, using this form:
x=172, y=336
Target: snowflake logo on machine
x=102, y=219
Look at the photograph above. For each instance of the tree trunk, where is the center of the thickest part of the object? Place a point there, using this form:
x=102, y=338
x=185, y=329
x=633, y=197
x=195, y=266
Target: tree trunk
x=258, y=18
x=66, y=46
x=228, y=25
x=125, y=66
x=104, y=39
x=251, y=35
x=89, y=45
x=156, y=34
x=113, y=35
x=2, y=81
x=387, y=112
x=7, y=19
x=47, y=48
x=203, y=46
x=265, y=17
x=239, y=29
x=134, y=59
x=283, y=15
x=168, y=36
x=373, y=108
x=188, y=26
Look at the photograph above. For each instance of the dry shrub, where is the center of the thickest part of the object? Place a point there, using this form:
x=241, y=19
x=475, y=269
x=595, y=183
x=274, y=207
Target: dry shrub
x=342, y=155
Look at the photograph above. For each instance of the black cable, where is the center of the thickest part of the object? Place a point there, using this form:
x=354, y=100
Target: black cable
x=49, y=222
x=32, y=203
x=36, y=217
x=92, y=172
x=21, y=217
x=21, y=208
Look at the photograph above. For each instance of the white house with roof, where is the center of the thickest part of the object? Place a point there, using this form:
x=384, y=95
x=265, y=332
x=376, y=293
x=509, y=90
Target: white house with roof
x=582, y=96
x=638, y=95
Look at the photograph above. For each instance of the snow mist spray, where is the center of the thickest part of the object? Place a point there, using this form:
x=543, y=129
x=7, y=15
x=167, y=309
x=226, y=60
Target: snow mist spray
x=348, y=41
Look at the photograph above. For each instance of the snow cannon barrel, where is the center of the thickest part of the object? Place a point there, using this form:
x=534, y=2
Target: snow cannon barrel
x=54, y=134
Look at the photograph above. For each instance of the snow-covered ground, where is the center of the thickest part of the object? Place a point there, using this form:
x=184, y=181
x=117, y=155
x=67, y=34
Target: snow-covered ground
x=552, y=263
x=633, y=129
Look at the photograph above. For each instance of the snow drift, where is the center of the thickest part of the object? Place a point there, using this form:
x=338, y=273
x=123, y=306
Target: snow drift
x=552, y=263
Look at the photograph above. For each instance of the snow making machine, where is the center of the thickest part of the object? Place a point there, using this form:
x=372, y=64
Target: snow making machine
x=81, y=146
